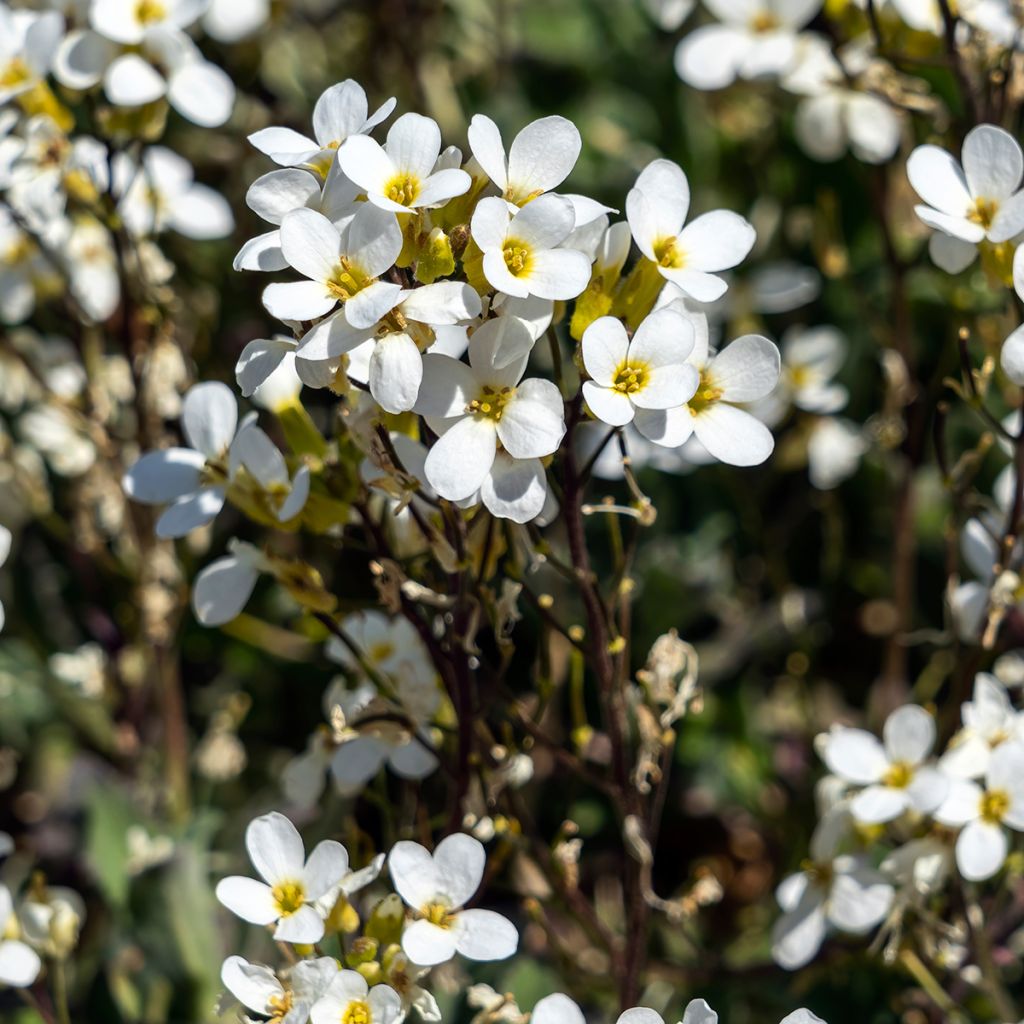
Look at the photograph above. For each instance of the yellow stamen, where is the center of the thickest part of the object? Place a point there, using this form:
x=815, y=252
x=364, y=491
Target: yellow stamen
x=668, y=254
x=279, y=1007
x=984, y=212
x=437, y=913
x=764, y=21
x=630, y=378
x=518, y=257
x=707, y=393
x=347, y=280
x=491, y=403
x=994, y=805
x=402, y=189
x=357, y=1012
x=289, y=897
x=149, y=11
x=16, y=72
x=899, y=775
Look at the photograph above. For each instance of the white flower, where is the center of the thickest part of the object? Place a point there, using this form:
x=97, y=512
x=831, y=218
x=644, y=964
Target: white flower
x=486, y=404
x=350, y=999
x=754, y=39
x=27, y=44
x=690, y=257
x=259, y=989
x=648, y=371
x=436, y=887
x=5, y=550
x=140, y=53
x=811, y=357
x=291, y=884
x=389, y=645
x=92, y=264
x=894, y=773
x=253, y=450
x=19, y=963
x=522, y=254
x=842, y=892
x=982, y=200
x=55, y=432
x=834, y=451
x=224, y=587
x=191, y=481
x=989, y=720
x=341, y=266
x=401, y=324
x=51, y=920
x=364, y=747
x=744, y=371
x=400, y=176
x=540, y=159
x=341, y=112
x=982, y=845
x=834, y=117
x=161, y=193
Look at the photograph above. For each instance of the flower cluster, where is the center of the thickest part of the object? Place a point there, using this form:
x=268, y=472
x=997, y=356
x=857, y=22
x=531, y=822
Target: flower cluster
x=388, y=942
x=899, y=819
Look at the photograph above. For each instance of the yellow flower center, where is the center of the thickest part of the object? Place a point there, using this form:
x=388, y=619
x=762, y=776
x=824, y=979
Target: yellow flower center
x=491, y=403
x=149, y=11
x=819, y=874
x=16, y=72
x=437, y=913
x=764, y=21
x=347, y=280
x=899, y=775
x=668, y=254
x=357, y=1012
x=707, y=393
x=984, y=212
x=994, y=805
x=629, y=378
x=403, y=189
x=20, y=250
x=278, y=1007
x=381, y=651
x=289, y=897
x=518, y=257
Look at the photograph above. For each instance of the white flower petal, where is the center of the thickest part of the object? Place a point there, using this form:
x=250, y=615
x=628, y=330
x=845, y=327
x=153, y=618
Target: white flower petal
x=855, y=755
x=909, y=734
x=305, y=926
x=190, y=513
x=716, y=241
x=426, y=944
x=275, y=848
x=485, y=935
x=459, y=860
x=733, y=436
x=993, y=162
x=222, y=589
x=939, y=180
x=202, y=92
x=248, y=898
x=163, y=476
x=131, y=81
x=605, y=345
x=209, y=416
x=981, y=850
x=541, y=156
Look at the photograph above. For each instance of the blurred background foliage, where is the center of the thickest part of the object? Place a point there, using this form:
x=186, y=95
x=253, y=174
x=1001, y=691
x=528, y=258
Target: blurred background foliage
x=786, y=590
